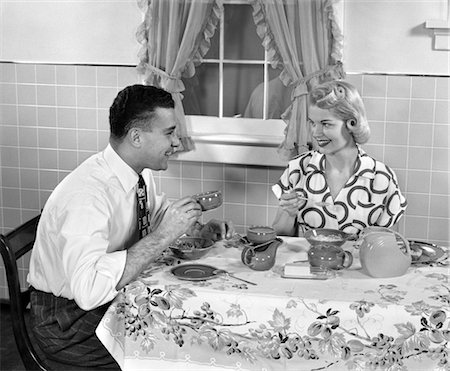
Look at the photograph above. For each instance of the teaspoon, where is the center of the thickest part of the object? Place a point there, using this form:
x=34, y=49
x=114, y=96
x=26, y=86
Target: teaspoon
x=224, y=272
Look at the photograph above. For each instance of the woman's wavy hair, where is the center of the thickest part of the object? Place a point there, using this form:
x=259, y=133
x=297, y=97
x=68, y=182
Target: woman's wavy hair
x=343, y=100
x=134, y=106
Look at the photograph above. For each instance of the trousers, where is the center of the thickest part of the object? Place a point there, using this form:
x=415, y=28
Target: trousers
x=66, y=333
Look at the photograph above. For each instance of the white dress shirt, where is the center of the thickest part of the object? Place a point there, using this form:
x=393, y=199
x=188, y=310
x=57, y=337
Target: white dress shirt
x=85, y=228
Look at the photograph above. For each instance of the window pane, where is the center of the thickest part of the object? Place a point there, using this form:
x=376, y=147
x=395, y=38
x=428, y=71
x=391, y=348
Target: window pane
x=278, y=98
x=213, y=52
x=201, y=96
x=239, y=80
x=240, y=37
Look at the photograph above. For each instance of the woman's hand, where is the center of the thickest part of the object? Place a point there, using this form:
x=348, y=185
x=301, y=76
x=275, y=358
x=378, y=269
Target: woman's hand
x=291, y=203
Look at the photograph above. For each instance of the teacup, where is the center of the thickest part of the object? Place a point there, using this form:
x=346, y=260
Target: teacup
x=209, y=200
x=260, y=234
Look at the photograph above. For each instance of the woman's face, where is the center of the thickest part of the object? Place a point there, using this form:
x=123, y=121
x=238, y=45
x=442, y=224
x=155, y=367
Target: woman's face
x=329, y=131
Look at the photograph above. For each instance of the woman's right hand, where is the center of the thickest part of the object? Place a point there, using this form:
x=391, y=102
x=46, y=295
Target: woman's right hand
x=291, y=203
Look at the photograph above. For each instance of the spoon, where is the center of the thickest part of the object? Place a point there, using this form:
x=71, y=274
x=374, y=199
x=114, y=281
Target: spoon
x=222, y=271
x=253, y=246
x=318, y=203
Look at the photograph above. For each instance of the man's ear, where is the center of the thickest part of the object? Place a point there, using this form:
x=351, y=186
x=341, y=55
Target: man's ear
x=134, y=136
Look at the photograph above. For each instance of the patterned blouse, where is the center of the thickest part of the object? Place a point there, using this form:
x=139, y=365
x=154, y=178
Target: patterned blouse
x=371, y=197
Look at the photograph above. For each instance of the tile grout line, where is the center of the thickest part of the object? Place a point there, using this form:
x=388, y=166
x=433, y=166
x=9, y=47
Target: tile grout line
x=431, y=161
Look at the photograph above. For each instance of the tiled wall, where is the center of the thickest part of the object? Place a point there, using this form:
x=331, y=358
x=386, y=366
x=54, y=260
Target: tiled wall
x=52, y=117
x=409, y=119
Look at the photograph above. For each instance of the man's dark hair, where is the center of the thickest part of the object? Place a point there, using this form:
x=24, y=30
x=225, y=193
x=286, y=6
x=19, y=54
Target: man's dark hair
x=134, y=104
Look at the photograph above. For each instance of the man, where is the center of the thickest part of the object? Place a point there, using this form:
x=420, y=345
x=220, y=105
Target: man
x=88, y=244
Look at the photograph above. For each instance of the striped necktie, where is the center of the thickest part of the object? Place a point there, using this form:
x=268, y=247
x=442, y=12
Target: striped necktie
x=142, y=209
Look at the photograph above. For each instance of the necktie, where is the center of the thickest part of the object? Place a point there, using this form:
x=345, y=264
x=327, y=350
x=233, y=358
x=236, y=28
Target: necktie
x=142, y=209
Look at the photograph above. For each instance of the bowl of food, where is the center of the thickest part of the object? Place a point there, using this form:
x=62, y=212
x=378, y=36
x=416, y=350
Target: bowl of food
x=209, y=200
x=326, y=236
x=258, y=234
x=191, y=248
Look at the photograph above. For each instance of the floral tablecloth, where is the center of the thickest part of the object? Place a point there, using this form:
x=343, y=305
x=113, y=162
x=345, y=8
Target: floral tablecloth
x=351, y=321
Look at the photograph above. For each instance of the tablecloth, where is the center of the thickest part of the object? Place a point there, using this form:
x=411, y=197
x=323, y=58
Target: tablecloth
x=351, y=321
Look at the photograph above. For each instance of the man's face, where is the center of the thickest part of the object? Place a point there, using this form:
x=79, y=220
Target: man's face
x=161, y=142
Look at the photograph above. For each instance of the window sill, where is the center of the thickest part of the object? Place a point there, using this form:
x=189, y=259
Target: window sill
x=235, y=140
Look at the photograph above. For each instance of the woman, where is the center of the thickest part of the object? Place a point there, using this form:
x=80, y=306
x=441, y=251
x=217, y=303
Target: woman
x=337, y=185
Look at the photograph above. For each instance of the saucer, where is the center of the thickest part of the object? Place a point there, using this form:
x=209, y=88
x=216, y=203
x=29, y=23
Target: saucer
x=431, y=252
x=194, y=272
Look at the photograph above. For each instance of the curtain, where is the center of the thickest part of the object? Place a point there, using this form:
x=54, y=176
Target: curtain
x=304, y=38
x=175, y=35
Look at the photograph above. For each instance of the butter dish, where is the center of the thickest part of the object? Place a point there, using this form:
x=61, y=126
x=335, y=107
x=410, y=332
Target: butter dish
x=302, y=271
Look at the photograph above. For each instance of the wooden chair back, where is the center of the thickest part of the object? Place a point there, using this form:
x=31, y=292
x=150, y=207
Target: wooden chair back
x=13, y=246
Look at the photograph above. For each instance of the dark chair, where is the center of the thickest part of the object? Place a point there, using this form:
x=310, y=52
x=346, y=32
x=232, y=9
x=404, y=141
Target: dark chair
x=13, y=246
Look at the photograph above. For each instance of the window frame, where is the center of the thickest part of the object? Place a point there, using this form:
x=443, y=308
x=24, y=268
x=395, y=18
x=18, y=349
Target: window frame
x=235, y=140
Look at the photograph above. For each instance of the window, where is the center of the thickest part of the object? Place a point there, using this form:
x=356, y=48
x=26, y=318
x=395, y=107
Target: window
x=228, y=100
x=234, y=79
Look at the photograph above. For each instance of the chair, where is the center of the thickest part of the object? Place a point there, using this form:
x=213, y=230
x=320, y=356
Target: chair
x=13, y=246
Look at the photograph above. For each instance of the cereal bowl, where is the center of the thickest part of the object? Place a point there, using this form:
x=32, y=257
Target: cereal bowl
x=191, y=248
x=209, y=200
x=326, y=236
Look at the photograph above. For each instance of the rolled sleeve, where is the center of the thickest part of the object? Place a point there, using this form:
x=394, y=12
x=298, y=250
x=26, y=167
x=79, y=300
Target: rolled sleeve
x=92, y=271
x=93, y=274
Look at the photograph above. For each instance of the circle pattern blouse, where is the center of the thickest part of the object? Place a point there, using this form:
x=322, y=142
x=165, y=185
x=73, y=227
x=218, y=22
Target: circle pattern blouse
x=371, y=197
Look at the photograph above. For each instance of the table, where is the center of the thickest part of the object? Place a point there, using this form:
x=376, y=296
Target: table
x=352, y=321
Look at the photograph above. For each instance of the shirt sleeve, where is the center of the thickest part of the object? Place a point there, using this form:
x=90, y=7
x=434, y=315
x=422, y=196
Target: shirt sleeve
x=83, y=239
x=290, y=178
x=394, y=203
x=283, y=185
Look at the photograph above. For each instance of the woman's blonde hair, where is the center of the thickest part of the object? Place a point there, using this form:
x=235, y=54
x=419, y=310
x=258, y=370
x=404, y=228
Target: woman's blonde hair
x=343, y=100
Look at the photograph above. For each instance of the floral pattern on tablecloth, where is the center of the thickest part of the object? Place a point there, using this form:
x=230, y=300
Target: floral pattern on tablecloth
x=152, y=312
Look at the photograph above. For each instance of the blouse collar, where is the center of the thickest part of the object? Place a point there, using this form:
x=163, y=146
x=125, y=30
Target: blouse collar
x=364, y=166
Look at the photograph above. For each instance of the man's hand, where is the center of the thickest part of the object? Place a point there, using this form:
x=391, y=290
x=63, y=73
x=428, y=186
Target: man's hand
x=179, y=217
x=217, y=230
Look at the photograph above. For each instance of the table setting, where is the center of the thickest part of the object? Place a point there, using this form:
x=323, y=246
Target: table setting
x=326, y=301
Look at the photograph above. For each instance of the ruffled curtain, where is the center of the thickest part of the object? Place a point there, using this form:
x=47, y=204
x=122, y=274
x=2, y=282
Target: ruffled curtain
x=175, y=35
x=304, y=37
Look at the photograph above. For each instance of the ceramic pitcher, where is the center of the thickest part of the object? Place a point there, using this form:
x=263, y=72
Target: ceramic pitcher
x=329, y=257
x=384, y=253
x=261, y=257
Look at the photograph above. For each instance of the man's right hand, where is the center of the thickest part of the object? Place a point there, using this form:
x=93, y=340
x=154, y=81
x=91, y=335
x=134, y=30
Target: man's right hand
x=179, y=217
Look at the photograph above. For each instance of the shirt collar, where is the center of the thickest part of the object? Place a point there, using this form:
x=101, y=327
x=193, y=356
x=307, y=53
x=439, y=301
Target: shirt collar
x=365, y=165
x=126, y=175
x=317, y=162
